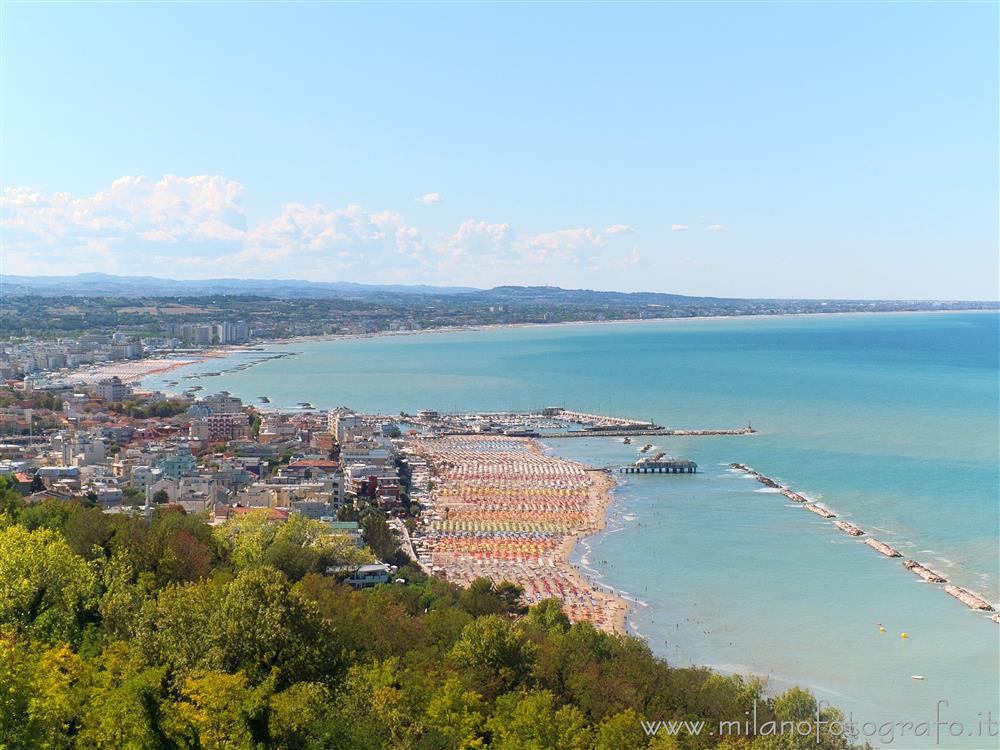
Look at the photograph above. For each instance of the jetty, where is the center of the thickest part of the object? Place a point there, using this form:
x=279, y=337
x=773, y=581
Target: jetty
x=598, y=421
x=882, y=547
x=819, y=510
x=924, y=572
x=849, y=528
x=660, y=466
x=550, y=422
x=969, y=599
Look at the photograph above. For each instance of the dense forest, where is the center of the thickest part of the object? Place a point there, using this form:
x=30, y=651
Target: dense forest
x=122, y=632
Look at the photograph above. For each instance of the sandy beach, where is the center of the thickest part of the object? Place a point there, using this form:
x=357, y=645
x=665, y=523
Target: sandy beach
x=135, y=370
x=614, y=322
x=502, y=509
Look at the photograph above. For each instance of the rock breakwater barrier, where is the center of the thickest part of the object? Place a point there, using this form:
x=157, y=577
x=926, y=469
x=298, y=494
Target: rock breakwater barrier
x=968, y=598
x=882, y=547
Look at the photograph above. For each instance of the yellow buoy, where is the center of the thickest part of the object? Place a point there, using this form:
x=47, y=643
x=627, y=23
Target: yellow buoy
x=881, y=630
x=904, y=635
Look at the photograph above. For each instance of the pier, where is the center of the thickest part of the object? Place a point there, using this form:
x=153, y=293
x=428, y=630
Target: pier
x=662, y=466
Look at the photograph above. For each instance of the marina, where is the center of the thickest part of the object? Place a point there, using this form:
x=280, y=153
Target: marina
x=553, y=422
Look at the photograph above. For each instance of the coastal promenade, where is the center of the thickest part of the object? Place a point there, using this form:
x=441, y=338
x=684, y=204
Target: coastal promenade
x=503, y=510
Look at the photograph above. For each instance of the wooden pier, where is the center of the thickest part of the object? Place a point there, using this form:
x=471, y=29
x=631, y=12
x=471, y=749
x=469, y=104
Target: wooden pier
x=667, y=466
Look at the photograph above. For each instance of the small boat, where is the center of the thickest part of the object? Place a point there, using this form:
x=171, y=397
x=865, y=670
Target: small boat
x=627, y=441
x=646, y=448
x=264, y=399
x=916, y=677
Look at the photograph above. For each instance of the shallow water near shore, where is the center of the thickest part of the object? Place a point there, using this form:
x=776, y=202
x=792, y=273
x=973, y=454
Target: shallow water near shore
x=890, y=420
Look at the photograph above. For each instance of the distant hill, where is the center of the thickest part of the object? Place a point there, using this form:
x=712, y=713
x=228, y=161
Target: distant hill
x=100, y=285
x=107, y=285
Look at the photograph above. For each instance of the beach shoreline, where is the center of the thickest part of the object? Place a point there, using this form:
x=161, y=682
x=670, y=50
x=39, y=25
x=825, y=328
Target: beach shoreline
x=604, y=485
x=616, y=321
x=219, y=352
x=488, y=482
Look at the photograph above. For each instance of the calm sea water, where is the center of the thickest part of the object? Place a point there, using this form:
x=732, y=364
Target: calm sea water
x=891, y=420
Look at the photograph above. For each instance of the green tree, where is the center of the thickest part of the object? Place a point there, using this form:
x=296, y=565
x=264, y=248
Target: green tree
x=494, y=653
x=218, y=711
x=548, y=614
x=621, y=730
x=124, y=703
x=298, y=716
x=455, y=716
x=288, y=636
x=535, y=721
x=44, y=587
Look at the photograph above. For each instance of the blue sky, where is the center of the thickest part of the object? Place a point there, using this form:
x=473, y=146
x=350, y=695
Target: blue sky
x=824, y=150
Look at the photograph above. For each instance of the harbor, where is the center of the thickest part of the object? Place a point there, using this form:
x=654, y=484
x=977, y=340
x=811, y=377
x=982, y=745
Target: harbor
x=552, y=422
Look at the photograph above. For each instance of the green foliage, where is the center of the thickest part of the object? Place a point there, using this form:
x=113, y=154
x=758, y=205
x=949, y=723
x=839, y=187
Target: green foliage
x=495, y=653
x=148, y=410
x=298, y=546
x=122, y=632
x=45, y=589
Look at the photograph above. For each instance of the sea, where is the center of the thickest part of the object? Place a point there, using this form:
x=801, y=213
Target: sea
x=889, y=420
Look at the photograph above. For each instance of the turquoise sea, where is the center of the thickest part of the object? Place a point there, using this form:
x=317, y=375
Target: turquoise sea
x=890, y=420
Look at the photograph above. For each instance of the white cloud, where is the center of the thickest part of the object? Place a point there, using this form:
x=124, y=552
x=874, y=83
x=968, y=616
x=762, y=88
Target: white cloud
x=197, y=227
x=619, y=229
x=716, y=227
x=430, y=198
x=479, y=238
x=567, y=244
x=678, y=227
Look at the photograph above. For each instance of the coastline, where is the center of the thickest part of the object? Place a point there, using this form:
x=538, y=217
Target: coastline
x=505, y=510
x=136, y=370
x=616, y=321
x=218, y=352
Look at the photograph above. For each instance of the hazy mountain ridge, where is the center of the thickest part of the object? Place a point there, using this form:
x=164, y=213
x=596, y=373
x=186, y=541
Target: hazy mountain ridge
x=101, y=284
x=109, y=285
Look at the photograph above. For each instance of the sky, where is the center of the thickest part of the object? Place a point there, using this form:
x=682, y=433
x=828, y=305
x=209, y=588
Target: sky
x=845, y=150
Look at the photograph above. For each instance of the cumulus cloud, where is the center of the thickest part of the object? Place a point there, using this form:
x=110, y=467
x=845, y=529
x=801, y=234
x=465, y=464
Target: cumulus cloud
x=479, y=238
x=196, y=226
x=619, y=229
x=565, y=243
x=678, y=227
x=716, y=227
x=430, y=198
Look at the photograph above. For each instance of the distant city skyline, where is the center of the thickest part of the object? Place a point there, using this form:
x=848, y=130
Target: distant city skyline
x=740, y=150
